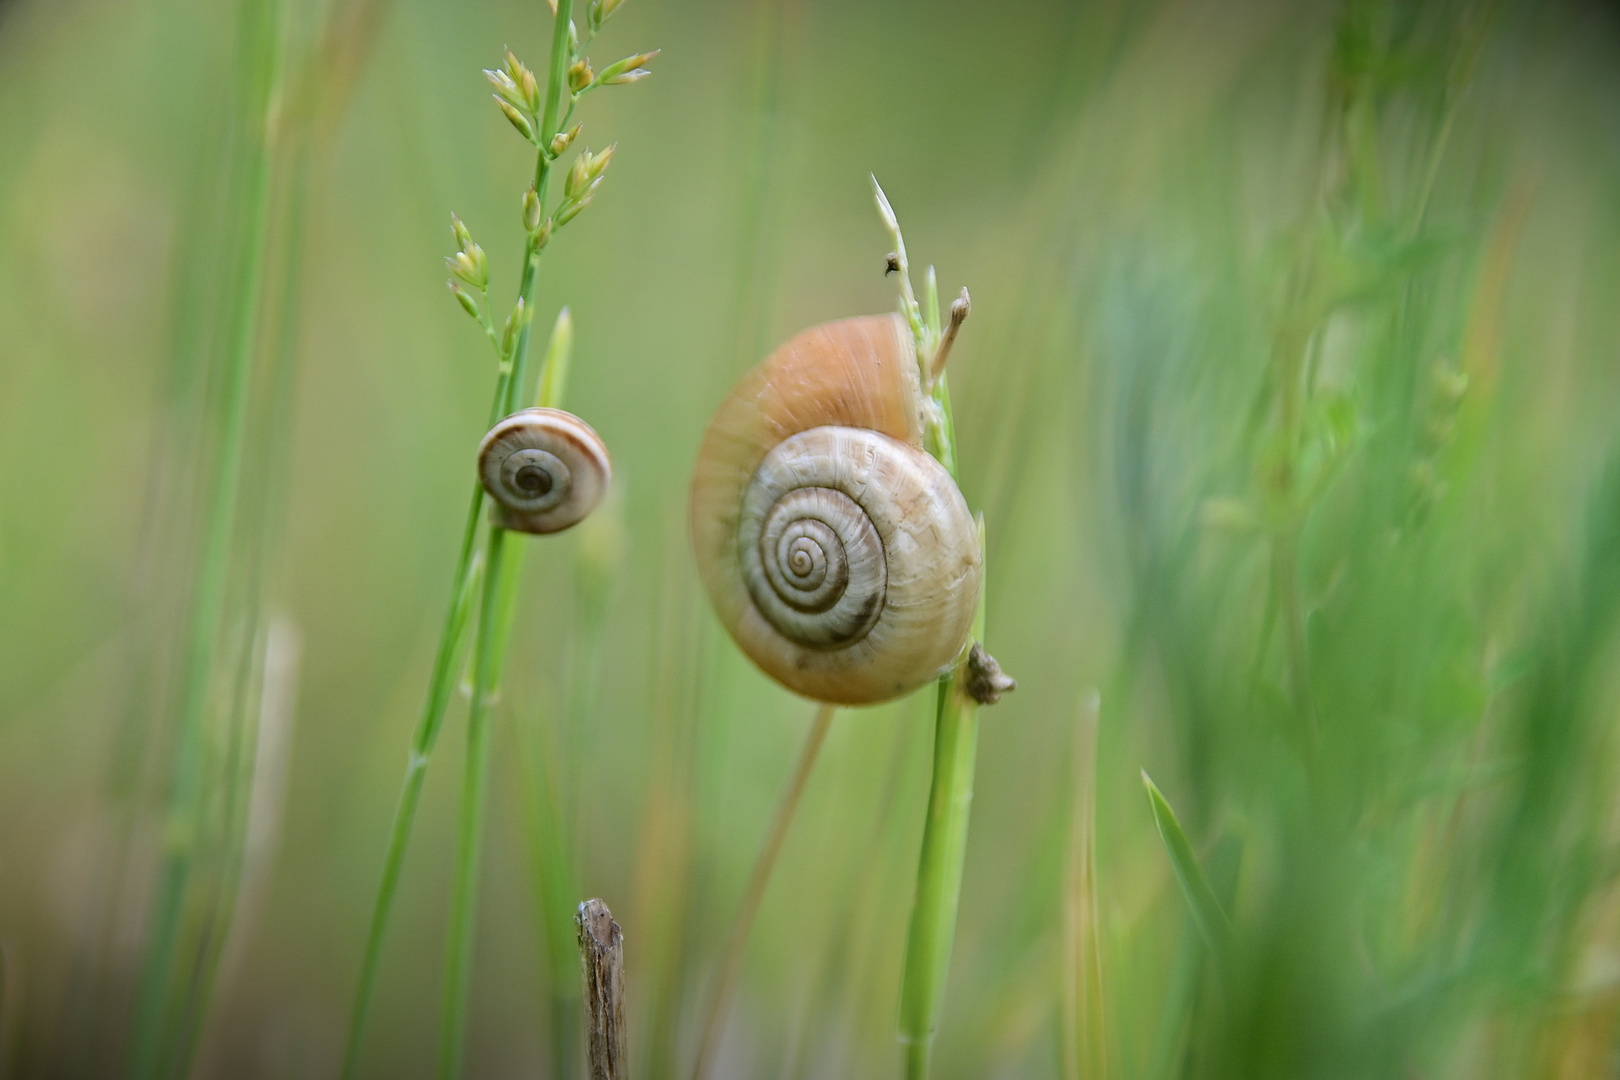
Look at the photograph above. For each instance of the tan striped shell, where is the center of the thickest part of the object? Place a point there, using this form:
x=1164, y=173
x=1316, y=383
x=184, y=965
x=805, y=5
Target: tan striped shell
x=546, y=469
x=840, y=556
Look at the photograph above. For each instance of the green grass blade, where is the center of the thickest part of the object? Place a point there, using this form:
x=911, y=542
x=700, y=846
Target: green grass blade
x=939, y=865
x=549, y=845
x=956, y=735
x=1084, y=1028
x=939, y=874
x=496, y=610
x=759, y=880
x=1213, y=925
x=452, y=644
x=554, y=373
x=552, y=877
x=464, y=895
x=160, y=1004
x=555, y=81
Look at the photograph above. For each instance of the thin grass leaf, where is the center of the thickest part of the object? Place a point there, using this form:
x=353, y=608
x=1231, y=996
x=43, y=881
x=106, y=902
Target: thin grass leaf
x=1084, y=1027
x=559, y=353
x=932, y=933
x=1213, y=925
x=176, y=968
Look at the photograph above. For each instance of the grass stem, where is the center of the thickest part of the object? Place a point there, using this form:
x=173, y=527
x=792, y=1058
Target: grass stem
x=1213, y=925
x=1085, y=1043
x=956, y=724
x=160, y=1001
x=939, y=871
x=496, y=606
x=446, y=663
x=731, y=959
x=464, y=894
x=447, y=660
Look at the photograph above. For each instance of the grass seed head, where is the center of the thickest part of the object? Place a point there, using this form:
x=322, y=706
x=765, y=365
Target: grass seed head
x=464, y=298
x=630, y=69
x=470, y=266
x=531, y=210
x=564, y=139
x=575, y=181
x=507, y=89
x=519, y=121
x=597, y=164
x=515, y=323
x=580, y=75
x=571, y=209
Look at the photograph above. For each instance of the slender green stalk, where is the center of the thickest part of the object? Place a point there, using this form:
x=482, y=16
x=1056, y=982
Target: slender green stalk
x=228, y=803
x=754, y=894
x=1085, y=1033
x=158, y=1006
x=553, y=881
x=446, y=663
x=518, y=98
x=939, y=866
x=486, y=678
x=554, y=369
x=497, y=605
x=555, y=86
x=1213, y=925
x=956, y=723
x=550, y=856
x=494, y=627
x=290, y=80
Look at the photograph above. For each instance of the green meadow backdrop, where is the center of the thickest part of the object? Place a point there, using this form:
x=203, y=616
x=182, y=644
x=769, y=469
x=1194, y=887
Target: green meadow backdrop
x=1291, y=399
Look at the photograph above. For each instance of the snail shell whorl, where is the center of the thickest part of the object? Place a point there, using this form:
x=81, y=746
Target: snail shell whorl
x=546, y=469
x=840, y=556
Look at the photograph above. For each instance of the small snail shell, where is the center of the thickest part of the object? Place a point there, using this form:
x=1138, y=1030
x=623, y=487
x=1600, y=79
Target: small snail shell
x=839, y=555
x=545, y=468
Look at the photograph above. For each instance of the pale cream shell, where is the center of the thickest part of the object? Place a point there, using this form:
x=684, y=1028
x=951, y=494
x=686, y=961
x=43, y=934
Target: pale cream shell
x=849, y=391
x=559, y=445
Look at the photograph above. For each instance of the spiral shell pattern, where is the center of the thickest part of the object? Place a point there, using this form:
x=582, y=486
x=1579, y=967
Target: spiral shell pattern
x=811, y=555
x=546, y=469
x=840, y=556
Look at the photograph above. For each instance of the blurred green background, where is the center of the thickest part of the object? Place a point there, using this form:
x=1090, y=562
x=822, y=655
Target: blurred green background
x=1289, y=398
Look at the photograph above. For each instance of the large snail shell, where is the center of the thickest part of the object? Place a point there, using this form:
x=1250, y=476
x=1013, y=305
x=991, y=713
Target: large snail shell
x=840, y=556
x=546, y=469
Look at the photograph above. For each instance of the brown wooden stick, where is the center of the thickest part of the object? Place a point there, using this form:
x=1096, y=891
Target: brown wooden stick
x=601, y=954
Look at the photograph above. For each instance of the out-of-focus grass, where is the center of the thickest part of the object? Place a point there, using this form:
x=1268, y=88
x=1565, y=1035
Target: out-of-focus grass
x=1408, y=807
